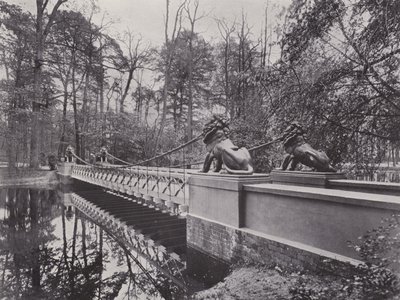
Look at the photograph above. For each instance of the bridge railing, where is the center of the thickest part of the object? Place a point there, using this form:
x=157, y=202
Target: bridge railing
x=158, y=186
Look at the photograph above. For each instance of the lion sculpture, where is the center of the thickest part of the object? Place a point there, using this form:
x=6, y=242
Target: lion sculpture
x=221, y=149
x=299, y=151
x=69, y=153
x=103, y=154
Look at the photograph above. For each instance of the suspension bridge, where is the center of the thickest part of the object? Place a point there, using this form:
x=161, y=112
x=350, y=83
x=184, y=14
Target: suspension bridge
x=287, y=217
x=144, y=206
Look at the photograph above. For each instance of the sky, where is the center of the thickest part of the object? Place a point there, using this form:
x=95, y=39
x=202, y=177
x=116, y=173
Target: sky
x=146, y=17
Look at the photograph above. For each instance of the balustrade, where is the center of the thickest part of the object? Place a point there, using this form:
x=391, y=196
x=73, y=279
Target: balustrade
x=157, y=186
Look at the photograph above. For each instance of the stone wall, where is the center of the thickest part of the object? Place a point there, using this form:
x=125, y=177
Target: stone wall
x=212, y=238
x=232, y=245
x=322, y=219
x=233, y=219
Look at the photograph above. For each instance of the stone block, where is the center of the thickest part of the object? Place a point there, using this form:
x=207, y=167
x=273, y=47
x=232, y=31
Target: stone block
x=218, y=197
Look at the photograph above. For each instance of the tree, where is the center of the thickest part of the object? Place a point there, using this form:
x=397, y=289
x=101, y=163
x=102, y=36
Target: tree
x=169, y=49
x=42, y=31
x=135, y=59
x=338, y=75
x=16, y=50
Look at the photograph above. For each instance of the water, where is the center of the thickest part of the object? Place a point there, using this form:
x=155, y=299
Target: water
x=51, y=250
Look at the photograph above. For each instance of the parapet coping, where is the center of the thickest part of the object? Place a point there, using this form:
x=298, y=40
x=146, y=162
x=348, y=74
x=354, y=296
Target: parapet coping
x=297, y=245
x=366, y=184
x=228, y=182
x=332, y=195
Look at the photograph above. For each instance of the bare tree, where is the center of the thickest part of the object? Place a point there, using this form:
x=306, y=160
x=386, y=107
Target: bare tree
x=193, y=18
x=136, y=58
x=170, y=50
x=226, y=31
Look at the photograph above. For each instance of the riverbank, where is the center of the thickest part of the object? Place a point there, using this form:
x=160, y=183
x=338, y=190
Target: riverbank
x=260, y=283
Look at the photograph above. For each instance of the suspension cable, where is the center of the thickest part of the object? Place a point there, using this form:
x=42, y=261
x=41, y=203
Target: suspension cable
x=116, y=158
x=80, y=159
x=160, y=155
x=157, y=157
x=172, y=150
x=265, y=144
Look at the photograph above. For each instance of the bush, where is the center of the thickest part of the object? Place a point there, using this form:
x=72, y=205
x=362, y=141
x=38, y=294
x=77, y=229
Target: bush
x=376, y=279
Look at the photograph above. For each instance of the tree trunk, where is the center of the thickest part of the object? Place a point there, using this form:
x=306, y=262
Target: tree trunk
x=40, y=38
x=190, y=89
x=37, y=79
x=74, y=106
x=126, y=90
x=164, y=108
x=61, y=146
x=85, y=113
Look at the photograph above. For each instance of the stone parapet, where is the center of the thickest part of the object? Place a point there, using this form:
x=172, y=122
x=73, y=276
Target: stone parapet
x=287, y=224
x=373, y=187
x=325, y=219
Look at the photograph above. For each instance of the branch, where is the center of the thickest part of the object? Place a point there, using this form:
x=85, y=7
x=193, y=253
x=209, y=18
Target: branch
x=52, y=17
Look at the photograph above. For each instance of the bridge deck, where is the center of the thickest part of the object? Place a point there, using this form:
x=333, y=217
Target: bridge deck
x=163, y=228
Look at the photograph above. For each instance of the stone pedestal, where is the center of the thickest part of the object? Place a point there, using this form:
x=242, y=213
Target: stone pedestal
x=65, y=172
x=216, y=212
x=218, y=197
x=304, y=178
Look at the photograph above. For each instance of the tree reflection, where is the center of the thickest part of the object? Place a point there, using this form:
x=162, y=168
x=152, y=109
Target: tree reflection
x=46, y=255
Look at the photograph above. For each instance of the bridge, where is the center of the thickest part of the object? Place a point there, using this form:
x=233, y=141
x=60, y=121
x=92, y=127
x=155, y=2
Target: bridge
x=157, y=238
x=287, y=217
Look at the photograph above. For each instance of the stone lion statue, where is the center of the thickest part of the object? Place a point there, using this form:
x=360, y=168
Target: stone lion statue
x=220, y=149
x=103, y=154
x=299, y=151
x=69, y=154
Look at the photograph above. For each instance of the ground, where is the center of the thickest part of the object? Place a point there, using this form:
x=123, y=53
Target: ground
x=250, y=283
x=262, y=283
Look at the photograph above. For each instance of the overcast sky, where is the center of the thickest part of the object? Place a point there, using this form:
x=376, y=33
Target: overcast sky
x=146, y=17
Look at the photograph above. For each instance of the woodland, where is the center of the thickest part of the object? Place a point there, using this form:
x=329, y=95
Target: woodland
x=67, y=81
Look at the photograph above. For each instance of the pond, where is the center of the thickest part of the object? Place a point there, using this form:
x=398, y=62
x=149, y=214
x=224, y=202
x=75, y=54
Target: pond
x=49, y=249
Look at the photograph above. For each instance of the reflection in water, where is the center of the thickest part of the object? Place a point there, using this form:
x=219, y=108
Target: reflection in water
x=48, y=251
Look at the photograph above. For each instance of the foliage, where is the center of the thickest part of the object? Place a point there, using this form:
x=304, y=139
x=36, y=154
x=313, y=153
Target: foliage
x=178, y=88
x=304, y=290
x=337, y=75
x=379, y=249
x=376, y=278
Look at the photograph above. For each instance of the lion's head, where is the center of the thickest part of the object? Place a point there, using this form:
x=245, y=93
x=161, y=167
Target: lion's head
x=103, y=150
x=218, y=125
x=69, y=150
x=293, y=131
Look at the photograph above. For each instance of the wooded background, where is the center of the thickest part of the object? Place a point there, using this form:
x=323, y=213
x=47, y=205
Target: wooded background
x=68, y=81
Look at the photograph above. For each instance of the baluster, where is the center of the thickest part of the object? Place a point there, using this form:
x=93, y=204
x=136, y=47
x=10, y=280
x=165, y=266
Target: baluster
x=169, y=203
x=157, y=200
x=137, y=194
x=183, y=208
x=148, y=200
